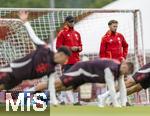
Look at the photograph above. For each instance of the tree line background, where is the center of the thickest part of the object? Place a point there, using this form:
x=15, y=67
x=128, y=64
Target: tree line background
x=58, y=3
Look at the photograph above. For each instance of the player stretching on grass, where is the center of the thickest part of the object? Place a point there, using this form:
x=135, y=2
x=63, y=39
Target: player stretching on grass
x=97, y=71
x=140, y=80
x=37, y=64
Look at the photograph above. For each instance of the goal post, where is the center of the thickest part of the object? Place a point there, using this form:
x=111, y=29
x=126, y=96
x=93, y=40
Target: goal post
x=90, y=23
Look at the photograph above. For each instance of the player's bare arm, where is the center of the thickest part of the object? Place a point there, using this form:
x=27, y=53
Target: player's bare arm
x=23, y=15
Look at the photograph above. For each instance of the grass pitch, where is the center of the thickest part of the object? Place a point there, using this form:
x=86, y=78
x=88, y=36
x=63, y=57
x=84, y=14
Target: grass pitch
x=83, y=111
x=96, y=111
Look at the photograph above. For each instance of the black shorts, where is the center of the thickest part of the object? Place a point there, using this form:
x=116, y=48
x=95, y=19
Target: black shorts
x=73, y=78
x=72, y=82
x=143, y=79
x=8, y=80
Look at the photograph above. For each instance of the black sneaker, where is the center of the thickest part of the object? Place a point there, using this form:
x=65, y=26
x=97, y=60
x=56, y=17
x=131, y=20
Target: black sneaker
x=77, y=104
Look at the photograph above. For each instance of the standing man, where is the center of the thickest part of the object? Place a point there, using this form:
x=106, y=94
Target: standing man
x=113, y=44
x=70, y=38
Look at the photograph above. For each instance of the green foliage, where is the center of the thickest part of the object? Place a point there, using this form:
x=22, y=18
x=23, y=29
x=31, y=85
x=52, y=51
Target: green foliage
x=82, y=3
x=58, y=3
x=100, y=3
x=24, y=3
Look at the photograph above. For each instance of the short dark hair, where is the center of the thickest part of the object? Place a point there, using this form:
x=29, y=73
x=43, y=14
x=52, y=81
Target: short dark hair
x=65, y=50
x=69, y=19
x=112, y=22
x=131, y=67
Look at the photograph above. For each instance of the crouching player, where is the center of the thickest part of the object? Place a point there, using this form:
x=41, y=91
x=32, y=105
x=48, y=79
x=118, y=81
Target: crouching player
x=96, y=71
x=140, y=80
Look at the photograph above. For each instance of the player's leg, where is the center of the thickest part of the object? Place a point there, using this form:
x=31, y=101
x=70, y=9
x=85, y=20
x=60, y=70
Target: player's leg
x=39, y=87
x=47, y=84
x=122, y=91
x=51, y=88
x=69, y=79
x=133, y=86
x=75, y=93
x=73, y=80
x=102, y=98
x=44, y=85
x=59, y=86
x=63, y=94
x=109, y=78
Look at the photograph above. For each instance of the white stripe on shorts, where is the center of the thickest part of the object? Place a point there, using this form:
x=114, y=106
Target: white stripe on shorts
x=144, y=71
x=79, y=72
x=20, y=64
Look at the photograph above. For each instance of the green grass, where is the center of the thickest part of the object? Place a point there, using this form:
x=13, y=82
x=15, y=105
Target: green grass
x=96, y=111
x=83, y=111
